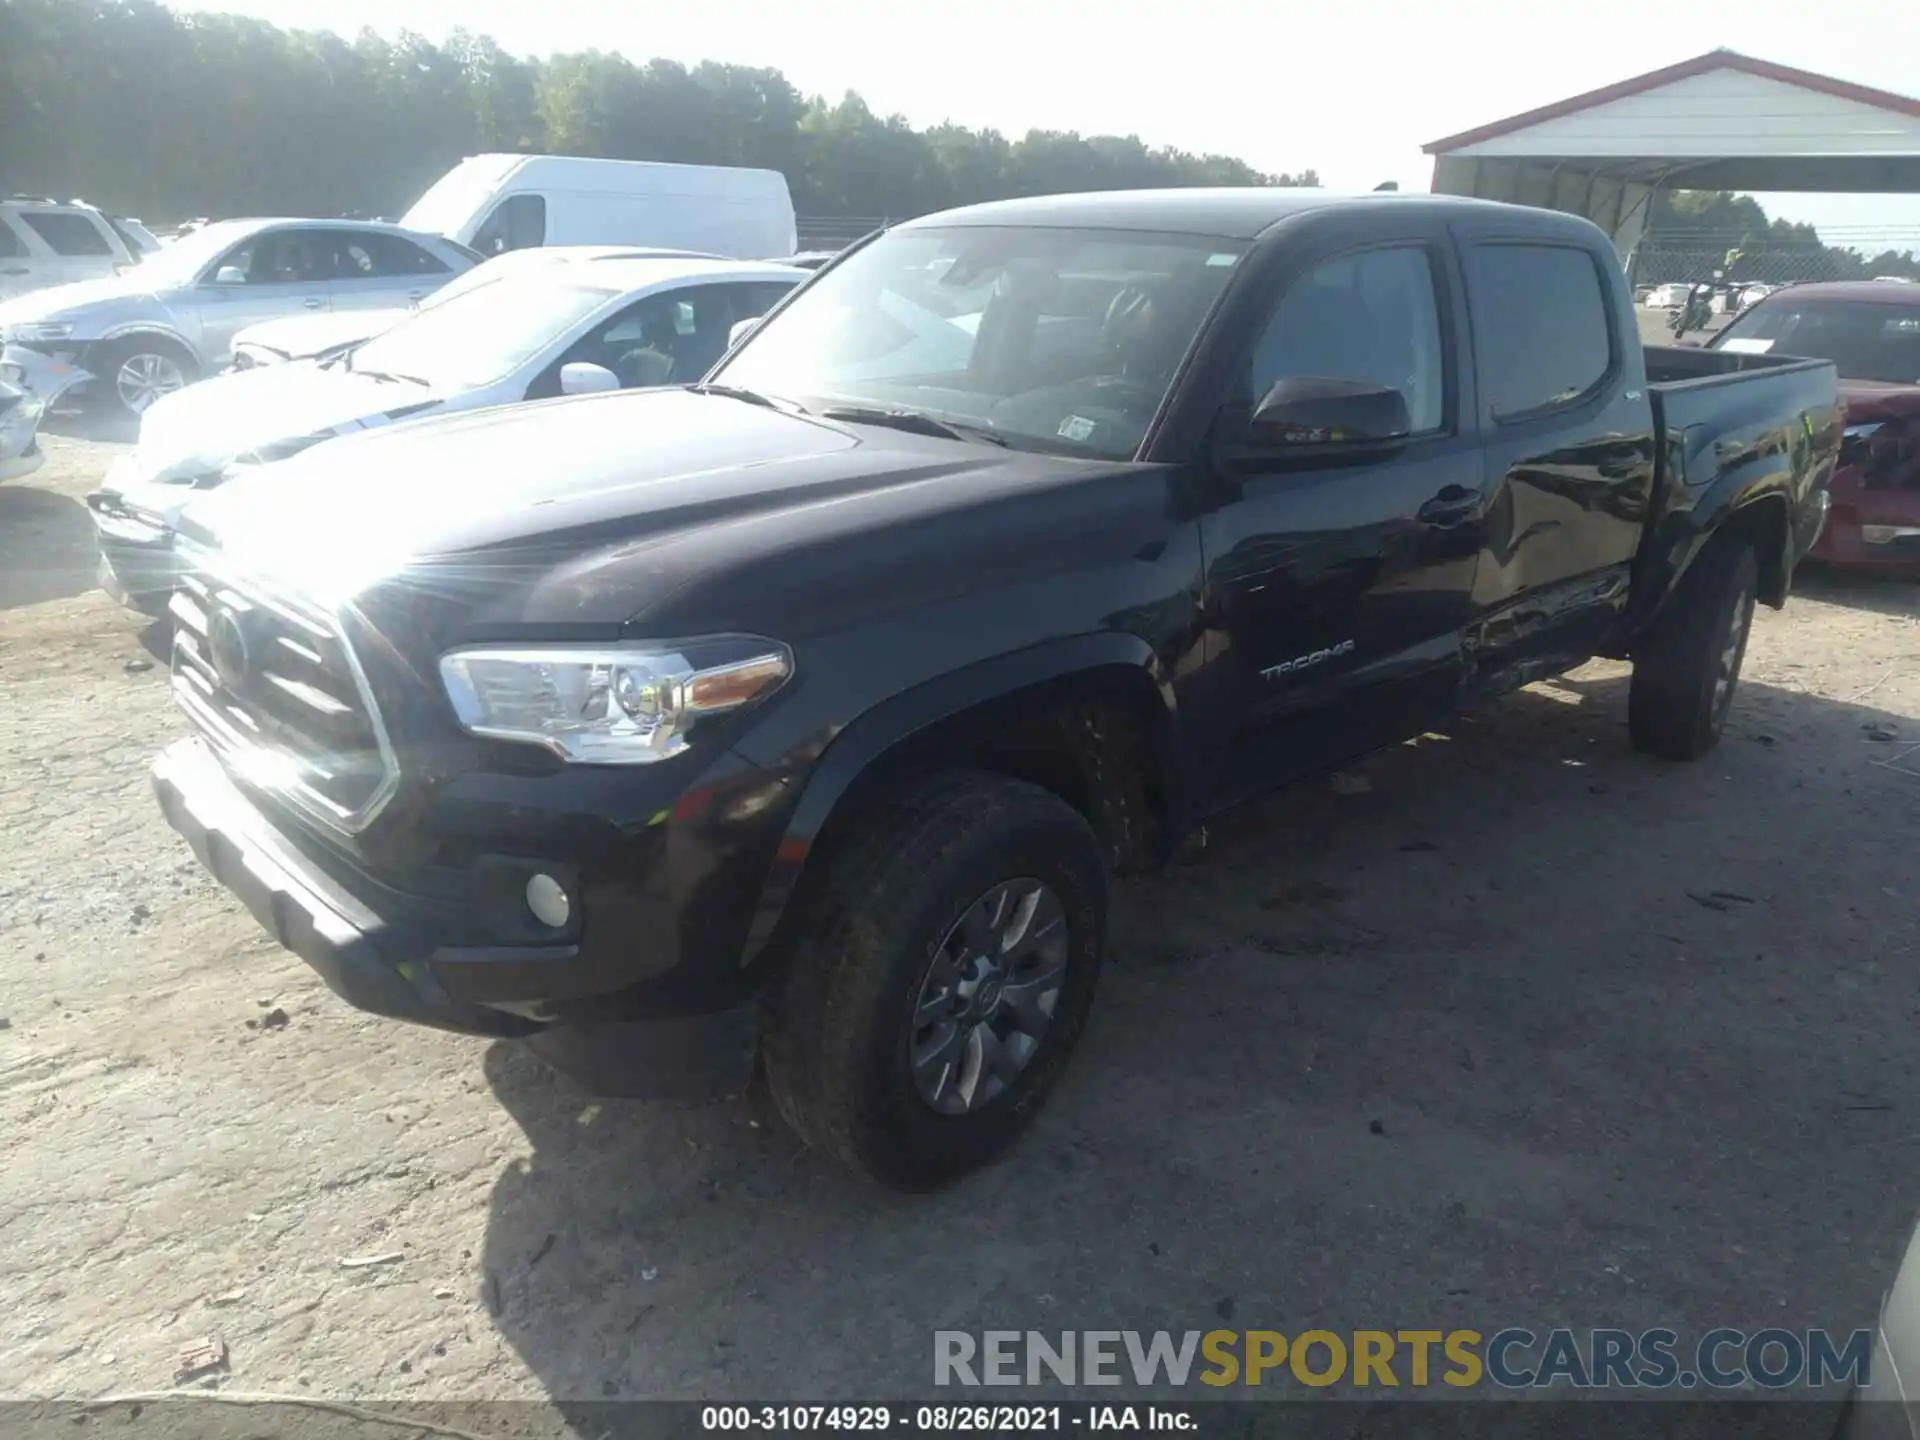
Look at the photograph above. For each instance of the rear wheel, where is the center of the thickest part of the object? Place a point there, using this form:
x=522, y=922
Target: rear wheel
x=944, y=979
x=134, y=373
x=1686, y=672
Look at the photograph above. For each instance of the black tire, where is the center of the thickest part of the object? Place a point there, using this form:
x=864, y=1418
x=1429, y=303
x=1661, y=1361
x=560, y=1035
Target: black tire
x=838, y=1028
x=108, y=361
x=1677, y=705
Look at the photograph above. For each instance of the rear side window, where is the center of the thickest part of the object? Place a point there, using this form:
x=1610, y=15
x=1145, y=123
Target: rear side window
x=518, y=222
x=11, y=245
x=67, y=234
x=374, y=256
x=1542, y=334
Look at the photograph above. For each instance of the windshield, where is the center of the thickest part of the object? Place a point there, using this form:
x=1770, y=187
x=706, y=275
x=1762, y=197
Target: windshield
x=482, y=336
x=455, y=198
x=1061, y=340
x=1864, y=339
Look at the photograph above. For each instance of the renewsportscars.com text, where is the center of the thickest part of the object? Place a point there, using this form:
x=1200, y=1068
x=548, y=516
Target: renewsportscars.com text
x=1511, y=1359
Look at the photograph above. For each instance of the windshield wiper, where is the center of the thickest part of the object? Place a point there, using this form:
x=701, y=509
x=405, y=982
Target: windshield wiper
x=914, y=422
x=752, y=397
x=394, y=376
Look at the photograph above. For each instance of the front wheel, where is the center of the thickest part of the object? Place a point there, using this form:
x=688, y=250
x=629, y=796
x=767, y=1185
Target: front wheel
x=1685, y=673
x=135, y=373
x=944, y=978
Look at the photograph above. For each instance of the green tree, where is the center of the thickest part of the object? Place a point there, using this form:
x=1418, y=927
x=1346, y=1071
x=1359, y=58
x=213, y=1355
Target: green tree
x=173, y=116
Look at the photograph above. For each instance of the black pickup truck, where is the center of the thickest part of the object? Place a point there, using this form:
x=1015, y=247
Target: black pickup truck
x=803, y=714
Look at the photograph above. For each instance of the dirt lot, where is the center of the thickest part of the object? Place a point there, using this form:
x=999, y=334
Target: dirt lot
x=1532, y=1031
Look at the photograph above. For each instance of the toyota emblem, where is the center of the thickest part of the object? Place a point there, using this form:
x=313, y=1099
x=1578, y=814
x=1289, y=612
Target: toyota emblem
x=227, y=639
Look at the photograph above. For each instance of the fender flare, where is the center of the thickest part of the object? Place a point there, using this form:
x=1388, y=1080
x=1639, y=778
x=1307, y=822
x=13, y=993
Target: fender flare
x=116, y=333
x=1108, y=658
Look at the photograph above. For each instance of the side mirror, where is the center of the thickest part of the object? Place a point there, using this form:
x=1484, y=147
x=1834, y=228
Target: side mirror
x=1309, y=410
x=229, y=275
x=741, y=329
x=582, y=378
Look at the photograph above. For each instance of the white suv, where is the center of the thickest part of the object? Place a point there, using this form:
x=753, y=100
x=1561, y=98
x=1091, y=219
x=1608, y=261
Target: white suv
x=51, y=242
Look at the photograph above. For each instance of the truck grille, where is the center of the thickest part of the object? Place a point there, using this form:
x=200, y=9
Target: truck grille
x=275, y=688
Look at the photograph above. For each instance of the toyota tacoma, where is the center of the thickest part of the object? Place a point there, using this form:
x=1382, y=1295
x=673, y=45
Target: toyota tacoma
x=801, y=715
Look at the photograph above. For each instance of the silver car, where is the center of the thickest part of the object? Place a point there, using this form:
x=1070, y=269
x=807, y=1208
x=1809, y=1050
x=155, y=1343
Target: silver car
x=172, y=318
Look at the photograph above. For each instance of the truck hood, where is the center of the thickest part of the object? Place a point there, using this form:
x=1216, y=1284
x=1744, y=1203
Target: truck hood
x=198, y=430
x=1875, y=400
x=295, y=336
x=597, y=510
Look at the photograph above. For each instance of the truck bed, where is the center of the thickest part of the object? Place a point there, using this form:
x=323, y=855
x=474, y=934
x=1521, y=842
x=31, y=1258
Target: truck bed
x=1732, y=429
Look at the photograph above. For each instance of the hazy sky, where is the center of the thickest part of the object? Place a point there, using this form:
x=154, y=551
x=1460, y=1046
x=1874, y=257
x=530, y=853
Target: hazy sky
x=1352, y=92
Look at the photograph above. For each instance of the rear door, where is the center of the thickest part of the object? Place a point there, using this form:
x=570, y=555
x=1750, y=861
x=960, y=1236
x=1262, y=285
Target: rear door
x=373, y=270
x=1568, y=452
x=1339, y=583
x=72, y=245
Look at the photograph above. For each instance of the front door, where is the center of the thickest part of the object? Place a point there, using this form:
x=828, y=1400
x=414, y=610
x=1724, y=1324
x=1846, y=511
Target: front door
x=1339, y=578
x=274, y=274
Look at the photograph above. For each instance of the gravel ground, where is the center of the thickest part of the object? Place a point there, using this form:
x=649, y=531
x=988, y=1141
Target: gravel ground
x=1531, y=1030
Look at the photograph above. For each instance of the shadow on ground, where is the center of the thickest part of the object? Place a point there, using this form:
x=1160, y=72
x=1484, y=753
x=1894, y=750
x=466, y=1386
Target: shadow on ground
x=46, y=547
x=84, y=423
x=1533, y=1031
x=1882, y=592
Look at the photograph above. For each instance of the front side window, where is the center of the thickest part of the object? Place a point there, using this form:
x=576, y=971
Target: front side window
x=1371, y=317
x=1865, y=340
x=1542, y=331
x=518, y=222
x=1050, y=339
x=670, y=339
x=278, y=257
x=67, y=233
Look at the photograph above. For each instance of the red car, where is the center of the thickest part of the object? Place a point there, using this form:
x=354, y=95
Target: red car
x=1871, y=331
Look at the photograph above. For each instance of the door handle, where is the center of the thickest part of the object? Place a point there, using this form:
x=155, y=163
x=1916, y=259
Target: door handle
x=14, y=270
x=1454, y=504
x=313, y=304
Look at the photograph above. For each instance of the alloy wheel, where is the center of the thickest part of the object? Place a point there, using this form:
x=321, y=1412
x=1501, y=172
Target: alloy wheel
x=988, y=997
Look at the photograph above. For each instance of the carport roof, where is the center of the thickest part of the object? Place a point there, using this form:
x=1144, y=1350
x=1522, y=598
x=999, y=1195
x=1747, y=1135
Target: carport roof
x=1720, y=121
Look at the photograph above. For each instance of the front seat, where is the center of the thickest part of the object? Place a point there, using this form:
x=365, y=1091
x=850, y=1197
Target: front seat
x=648, y=363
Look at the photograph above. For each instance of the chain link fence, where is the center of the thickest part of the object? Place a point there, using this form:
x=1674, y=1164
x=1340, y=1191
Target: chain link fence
x=1662, y=259
x=1668, y=257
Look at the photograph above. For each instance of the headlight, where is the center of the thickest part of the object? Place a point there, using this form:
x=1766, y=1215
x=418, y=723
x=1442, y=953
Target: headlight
x=1861, y=432
x=33, y=330
x=611, y=704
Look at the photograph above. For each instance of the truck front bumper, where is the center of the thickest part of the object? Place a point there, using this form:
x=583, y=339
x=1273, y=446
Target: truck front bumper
x=392, y=964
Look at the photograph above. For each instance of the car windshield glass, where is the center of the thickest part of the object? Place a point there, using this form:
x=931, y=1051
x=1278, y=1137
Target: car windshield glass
x=1059, y=340
x=1865, y=340
x=480, y=337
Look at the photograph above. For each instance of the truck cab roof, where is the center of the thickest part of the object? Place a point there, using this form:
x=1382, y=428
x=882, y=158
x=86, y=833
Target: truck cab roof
x=1232, y=212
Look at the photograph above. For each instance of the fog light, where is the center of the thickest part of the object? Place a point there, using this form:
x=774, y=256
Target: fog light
x=547, y=898
x=1887, y=534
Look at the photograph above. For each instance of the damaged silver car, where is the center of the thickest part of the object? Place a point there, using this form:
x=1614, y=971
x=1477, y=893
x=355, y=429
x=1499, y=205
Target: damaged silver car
x=29, y=384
